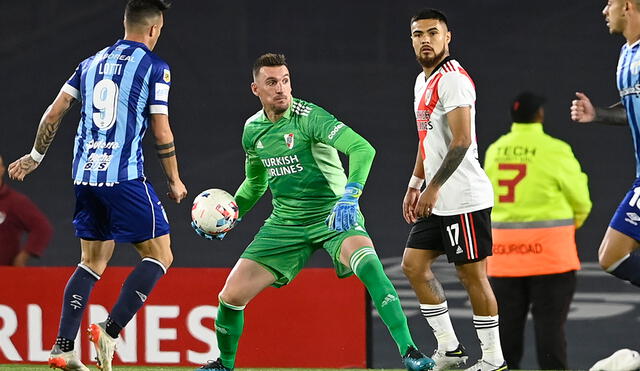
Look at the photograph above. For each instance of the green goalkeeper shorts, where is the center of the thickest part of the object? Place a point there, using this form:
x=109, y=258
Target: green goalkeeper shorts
x=285, y=249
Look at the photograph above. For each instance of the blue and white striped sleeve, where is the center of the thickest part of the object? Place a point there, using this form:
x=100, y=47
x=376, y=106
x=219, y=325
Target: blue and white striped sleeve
x=72, y=86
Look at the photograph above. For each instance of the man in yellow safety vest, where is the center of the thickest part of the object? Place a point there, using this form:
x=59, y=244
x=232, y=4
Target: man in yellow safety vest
x=541, y=198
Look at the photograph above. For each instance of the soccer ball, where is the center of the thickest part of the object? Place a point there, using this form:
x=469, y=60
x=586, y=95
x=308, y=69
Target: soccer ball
x=214, y=211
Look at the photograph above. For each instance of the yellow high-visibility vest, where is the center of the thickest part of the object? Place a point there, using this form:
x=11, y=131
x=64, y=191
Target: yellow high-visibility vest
x=541, y=197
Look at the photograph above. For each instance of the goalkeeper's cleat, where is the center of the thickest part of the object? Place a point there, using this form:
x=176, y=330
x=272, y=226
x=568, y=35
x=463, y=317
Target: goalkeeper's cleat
x=214, y=366
x=413, y=360
x=105, y=345
x=449, y=359
x=67, y=361
x=483, y=365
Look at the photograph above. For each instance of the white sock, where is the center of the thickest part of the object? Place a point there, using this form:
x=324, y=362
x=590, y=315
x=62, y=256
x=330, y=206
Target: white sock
x=489, y=335
x=438, y=317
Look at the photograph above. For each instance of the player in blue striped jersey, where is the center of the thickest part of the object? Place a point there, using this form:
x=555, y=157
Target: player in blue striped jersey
x=123, y=90
x=123, y=83
x=618, y=253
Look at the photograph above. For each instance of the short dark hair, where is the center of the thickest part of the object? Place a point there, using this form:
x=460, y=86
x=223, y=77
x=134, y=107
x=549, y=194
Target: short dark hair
x=268, y=60
x=525, y=106
x=429, y=13
x=138, y=11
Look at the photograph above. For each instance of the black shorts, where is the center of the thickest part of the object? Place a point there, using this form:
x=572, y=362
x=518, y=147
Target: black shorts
x=464, y=238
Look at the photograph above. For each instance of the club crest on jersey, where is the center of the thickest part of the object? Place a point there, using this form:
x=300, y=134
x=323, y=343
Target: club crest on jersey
x=288, y=139
x=3, y=217
x=166, y=76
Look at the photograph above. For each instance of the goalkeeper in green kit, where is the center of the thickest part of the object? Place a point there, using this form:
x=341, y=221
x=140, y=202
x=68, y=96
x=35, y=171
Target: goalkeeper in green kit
x=292, y=148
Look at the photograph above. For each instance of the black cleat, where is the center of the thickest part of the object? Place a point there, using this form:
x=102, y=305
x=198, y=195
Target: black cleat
x=214, y=366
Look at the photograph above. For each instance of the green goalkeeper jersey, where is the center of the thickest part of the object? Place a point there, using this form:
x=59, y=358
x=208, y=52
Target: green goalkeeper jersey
x=297, y=158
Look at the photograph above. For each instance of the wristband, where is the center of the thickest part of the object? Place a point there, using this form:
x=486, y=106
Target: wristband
x=36, y=156
x=416, y=182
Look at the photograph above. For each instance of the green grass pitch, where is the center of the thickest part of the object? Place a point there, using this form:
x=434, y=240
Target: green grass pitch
x=160, y=368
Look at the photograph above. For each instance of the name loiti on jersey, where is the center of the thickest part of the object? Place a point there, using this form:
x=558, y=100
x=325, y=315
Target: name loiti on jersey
x=448, y=87
x=119, y=88
x=628, y=82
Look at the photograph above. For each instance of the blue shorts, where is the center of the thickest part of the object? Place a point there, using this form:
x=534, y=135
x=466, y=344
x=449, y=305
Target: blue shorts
x=128, y=211
x=626, y=220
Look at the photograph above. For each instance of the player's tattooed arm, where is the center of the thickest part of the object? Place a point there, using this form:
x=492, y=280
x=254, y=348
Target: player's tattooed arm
x=583, y=111
x=166, y=150
x=460, y=125
x=450, y=163
x=51, y=120
x=612, y=115
x=47, y=129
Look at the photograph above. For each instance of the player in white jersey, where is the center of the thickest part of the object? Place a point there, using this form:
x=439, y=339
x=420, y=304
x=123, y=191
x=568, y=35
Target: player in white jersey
x=618, y=253
x=452, y=215
x=447, y=88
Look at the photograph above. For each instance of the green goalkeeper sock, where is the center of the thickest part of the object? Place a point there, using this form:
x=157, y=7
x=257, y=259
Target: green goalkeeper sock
x=365, y=264
x=229, y=324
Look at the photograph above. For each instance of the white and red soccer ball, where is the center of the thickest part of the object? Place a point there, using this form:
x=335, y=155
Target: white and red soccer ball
x=214, y=211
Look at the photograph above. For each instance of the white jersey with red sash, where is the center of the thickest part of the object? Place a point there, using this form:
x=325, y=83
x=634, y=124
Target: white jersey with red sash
x=448, y=87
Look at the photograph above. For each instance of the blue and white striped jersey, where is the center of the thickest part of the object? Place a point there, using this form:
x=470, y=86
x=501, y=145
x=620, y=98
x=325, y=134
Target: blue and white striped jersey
x=118, y=88
x=628, y=81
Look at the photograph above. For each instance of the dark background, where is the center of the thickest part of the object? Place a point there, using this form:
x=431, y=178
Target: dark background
x=352, y=57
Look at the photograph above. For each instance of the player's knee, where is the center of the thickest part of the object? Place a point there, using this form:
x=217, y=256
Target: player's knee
x=167, y=259
x=469, y=277
x=464, y=278
x=413, y=269
x=606, y=260
x=164, y=257
x=604, y=263
x=228, y=297
x=96, y=264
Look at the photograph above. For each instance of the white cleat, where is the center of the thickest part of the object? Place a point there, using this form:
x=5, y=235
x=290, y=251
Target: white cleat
x=483, y=365
x=67, y=361
x=621, y=360
x=449, y=359
x=105, y=345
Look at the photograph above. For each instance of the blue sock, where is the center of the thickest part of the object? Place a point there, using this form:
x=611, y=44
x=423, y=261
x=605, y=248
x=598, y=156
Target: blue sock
x=74, y=301
x=627, y=268
x=135, y=291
